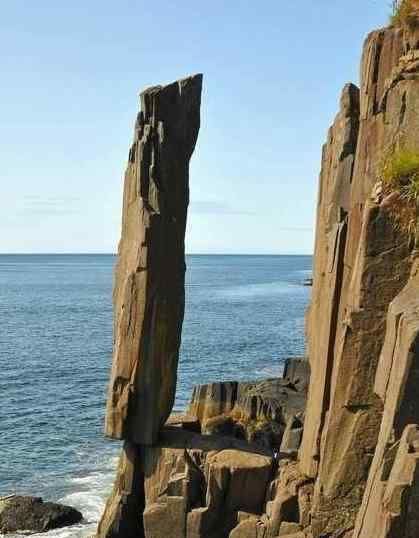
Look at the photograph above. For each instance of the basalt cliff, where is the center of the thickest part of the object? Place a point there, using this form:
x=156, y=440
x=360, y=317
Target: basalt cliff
x=331, y=449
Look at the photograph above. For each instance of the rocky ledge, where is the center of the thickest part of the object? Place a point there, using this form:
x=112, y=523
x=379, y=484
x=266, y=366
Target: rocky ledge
x=215, y=469
x=268, y=412
x=18, y=513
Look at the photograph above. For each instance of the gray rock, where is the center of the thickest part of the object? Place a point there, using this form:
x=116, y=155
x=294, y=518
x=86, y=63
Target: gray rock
x=19, y=513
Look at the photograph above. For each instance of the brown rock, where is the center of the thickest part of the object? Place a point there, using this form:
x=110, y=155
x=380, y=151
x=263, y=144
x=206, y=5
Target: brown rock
x=291, y=439
x=149, y=278
x=193, y=483
x=295, y=535
x=121, y=517
x=286, y=505
x=388, y=508
x=288, y=528
x=305, y=499
x=346, y=321
x=187, y=422
x=250, y=528
x=213, y=400
x=331, y=228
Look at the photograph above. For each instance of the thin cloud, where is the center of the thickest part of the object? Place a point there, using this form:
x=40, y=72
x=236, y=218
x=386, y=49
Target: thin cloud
x=49, y=205
x=211, y=207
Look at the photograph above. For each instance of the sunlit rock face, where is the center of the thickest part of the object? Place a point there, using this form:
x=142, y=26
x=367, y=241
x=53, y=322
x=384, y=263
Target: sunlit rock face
x=362, y=266
x=346, y=466
x=149, y=290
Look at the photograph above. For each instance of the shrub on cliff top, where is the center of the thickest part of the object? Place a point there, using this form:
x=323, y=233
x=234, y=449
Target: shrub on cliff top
x=405, y=13
x=400, y=178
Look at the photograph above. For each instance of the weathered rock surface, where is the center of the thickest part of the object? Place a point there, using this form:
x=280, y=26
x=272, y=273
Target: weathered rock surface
x=390, y=504
x=362, y=264
x=202, y=485
x=271, y=399
x=331, y=230
x=261, y=411
x=347, y=465
x=188, y=484
x=149, y=292
x=18, y=513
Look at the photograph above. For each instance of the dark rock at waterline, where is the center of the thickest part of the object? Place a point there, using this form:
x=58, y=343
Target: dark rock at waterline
x=18, y=513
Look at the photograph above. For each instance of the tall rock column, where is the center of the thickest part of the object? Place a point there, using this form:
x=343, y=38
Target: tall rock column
x=149, y=290
x=331, y=230
x=343, y=423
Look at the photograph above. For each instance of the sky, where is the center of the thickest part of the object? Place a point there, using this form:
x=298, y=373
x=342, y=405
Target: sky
x=70, y=77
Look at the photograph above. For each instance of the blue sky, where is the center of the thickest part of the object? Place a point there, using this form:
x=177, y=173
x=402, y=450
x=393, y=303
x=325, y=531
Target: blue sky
x=71, y=73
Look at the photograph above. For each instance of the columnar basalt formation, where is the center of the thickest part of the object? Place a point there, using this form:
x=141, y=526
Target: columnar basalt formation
x=248, y=460
x=347, y=406
x=149, y=292
x=331, y=230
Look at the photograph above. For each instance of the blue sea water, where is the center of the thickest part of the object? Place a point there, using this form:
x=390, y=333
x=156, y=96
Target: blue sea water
x=244, y=316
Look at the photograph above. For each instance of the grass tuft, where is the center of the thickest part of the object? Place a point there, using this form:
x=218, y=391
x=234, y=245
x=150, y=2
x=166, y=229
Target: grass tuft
x=405, y=13
x=400, y=179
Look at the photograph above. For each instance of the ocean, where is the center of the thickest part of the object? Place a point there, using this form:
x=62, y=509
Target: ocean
x=244, y=316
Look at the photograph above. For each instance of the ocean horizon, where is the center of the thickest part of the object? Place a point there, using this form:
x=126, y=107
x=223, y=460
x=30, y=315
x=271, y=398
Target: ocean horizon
x=244, y=316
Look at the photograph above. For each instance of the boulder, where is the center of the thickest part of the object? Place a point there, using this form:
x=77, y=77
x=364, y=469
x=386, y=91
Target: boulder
x=19, y=513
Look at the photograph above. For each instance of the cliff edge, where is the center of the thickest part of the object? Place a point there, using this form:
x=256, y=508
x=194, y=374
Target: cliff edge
x=331, y=450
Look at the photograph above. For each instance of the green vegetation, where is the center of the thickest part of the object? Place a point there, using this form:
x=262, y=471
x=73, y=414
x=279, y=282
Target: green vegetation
x=405, y=13
x=400, y=177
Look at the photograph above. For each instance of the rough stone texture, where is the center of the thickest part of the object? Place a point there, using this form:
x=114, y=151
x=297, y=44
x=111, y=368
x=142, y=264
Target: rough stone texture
x=122, y=515
x=297, y=371
x=213, y=400
x=19, y=513
x=353, y=422
x=357, y=474
x=150, y=273
x=193, y=484
x=285, y=500
x=250, y=528
x=390, y=504
x=261, y=412
x=276, y=399
x=331, y=229
x=187, y=422
x=361, y=265
x=288, y=528
x=291, y=439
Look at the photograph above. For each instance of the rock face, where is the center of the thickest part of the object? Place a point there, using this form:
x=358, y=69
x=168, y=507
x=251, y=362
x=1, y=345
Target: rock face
x=279, y=400
x=149, y=291
x=359, y=440
x=196, y=486
x=19, y=513
x=269, y=412
x=248, y=460
x=331, y=231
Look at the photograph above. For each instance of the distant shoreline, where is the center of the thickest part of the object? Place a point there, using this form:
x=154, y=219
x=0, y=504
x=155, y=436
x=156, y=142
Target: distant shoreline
x=114, y=254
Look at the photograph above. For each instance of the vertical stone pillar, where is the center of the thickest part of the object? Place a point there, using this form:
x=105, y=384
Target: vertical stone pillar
x=149, y=288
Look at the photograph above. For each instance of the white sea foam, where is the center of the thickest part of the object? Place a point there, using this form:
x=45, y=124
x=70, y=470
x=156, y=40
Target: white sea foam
x=87, y=494
x=275, y=370
x=249, y=291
